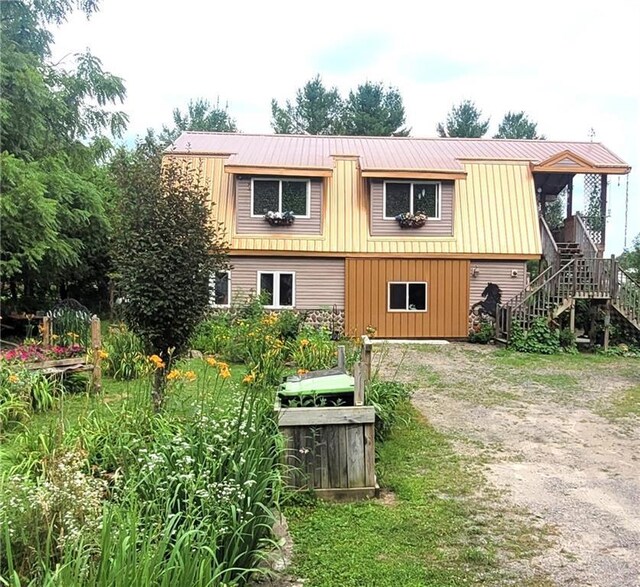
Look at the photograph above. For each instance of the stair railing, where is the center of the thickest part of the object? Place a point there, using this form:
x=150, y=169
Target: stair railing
x=626, y=298
x=583, y=238
x=549, y=246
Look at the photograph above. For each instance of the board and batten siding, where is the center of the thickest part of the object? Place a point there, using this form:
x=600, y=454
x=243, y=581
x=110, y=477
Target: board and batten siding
x=382, y=227
x=447, y=297
x=319, y=282
x=246, y=224
x=500, y=273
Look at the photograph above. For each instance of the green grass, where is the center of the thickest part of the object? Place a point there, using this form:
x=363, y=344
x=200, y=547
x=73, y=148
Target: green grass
x=624, y=405
x=436, y=532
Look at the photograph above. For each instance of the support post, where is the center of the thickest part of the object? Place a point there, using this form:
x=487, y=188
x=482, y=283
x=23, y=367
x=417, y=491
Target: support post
x=366, y=357
x=96, y=347
x=46, y=330
x=607, y=324
x=613, y=278
x=570, y=198
x=358, y=391
x=572, y=316
x=603, y=208
x=341, y=357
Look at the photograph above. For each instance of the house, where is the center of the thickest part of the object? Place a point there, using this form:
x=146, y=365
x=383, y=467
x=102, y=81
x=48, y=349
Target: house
x=335, y=226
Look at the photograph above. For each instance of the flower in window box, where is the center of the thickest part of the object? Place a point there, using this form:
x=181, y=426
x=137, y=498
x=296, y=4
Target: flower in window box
x=280, y=218
x=408, y=220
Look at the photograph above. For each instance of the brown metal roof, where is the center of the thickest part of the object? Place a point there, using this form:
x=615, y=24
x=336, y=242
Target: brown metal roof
x=382, y=153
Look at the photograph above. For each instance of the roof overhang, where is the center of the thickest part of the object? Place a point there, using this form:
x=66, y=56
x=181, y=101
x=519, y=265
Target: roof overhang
x=278, y=171
x=568, y=162
x=413, y=174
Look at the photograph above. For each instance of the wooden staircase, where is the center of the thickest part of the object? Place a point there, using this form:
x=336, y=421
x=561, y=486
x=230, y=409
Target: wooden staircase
x=555, y=290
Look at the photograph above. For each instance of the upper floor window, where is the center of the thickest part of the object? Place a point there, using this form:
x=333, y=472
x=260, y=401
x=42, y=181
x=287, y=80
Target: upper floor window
x=280, y=195
x=401, y=197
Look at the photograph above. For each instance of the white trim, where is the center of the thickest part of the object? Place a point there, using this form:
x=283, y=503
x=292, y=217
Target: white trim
x=407, y=283
x=438, y=185
x=280, y=180
x=276, y=288
x=212, y=282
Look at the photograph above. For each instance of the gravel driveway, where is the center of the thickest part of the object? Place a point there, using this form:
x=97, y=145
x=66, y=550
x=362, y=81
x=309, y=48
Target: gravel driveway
x=550, y=437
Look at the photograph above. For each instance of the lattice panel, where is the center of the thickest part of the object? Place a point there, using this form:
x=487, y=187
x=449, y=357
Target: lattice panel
x=592, y=215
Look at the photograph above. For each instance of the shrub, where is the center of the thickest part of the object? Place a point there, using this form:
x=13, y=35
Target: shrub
x=289, y=323
x=126, y=357
x=567, y=339
x=313, y=349
x=540, y=338
x=386, y=397
x=482, y=333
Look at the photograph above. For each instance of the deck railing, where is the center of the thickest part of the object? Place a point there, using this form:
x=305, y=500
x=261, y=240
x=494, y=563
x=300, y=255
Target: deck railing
x=627, y=296
x=549, y=246
x=583, y=238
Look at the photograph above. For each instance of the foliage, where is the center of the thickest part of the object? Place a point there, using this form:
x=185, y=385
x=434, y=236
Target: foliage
x=33, y=352
x=483, y=332
x=371, y=110
x=517, y=125
x=125, y=354
x=567, y=339
x=555, y=212
x=316, y=111
x=127, y=498
x=313, y=350
x=630, y=259
x=166, y=249
x=56, y=195
x=464, y=120
x=387, y=398
x=540, y=338
x=201, y=115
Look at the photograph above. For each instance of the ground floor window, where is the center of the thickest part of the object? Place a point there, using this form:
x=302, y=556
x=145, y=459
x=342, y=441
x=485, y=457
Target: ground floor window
x=221, y=289
x=277, y=288
x=407, y=296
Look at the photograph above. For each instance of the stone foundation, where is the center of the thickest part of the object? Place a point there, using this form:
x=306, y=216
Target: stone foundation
x=332, y=320
x=476, y=319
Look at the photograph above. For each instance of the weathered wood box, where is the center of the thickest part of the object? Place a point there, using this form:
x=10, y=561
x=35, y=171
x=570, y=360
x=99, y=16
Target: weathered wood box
x=330, y=449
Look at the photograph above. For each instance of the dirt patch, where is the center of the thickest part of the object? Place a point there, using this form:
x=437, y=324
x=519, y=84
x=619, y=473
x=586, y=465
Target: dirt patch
x=535, y=425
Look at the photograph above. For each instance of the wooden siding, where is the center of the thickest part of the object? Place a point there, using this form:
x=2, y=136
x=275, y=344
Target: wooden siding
x=246, y=224
x=495, y=213
x=447, y=297
x=382, y=227
x=498, y=272
x=319, y=282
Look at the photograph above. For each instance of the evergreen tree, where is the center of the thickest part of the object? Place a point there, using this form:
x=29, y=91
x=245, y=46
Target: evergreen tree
x=517, y=125
x=464, y=120
x=373, y=110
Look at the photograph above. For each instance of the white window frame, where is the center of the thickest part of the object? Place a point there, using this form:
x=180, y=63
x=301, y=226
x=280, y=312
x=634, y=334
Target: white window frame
x=212, y=282
x=276, y=288
x=280, y=180
x=407, y=283
x=438, y=185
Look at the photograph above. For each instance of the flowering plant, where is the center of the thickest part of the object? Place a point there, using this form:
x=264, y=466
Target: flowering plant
x=35, y=353
x=280, y=218
x=408, y=220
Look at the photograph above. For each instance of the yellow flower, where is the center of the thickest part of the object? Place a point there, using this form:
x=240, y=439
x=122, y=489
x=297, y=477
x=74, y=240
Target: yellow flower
x=190, y=375
x=304, y=342
x=173, y=374
x=157, y=361
x=211, y=361
x=225, y=373
x=13, y=378
x=103, y=354
x=223, y=366
x=302, y=371
x=73, y=335
x=249, y=378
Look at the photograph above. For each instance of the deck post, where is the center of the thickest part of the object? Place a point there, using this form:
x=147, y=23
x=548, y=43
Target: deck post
x=366, y=357
x=613, y=278
x=603, y=208
x=570, y=198
x=359, y=382
x=96, y=346
x=607, y=324
x=572, y=316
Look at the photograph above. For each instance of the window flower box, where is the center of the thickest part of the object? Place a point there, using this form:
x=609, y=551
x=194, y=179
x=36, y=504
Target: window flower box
x=408, y=220
x=279, y=218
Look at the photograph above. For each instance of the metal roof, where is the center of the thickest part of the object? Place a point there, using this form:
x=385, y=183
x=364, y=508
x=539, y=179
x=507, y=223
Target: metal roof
x=382, y=153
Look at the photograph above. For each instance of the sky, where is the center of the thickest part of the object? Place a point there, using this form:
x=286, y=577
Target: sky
x=572, y=66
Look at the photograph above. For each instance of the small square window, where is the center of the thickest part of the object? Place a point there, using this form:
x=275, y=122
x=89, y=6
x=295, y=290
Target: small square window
x=277, y=289
x=221, y=289
x=265, y=197
x=398, y=199
x=407, y=297
x=411, y=197
x=280, y=195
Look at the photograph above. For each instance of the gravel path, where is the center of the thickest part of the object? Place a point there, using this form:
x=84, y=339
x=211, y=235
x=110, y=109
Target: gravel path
x=538, y=428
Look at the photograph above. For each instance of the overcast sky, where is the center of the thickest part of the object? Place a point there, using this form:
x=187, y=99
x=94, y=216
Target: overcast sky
x=570, y=65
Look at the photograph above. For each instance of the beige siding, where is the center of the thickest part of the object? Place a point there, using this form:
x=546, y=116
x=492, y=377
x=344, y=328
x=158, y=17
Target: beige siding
x=319, y=282
x=245, y=224
x=500, y=273
x=382, y=227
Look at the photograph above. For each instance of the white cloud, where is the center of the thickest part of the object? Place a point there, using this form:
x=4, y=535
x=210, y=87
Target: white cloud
x=571, y=65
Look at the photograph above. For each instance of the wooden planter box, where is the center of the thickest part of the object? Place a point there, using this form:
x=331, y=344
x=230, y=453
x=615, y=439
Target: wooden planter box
x=330, y=450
